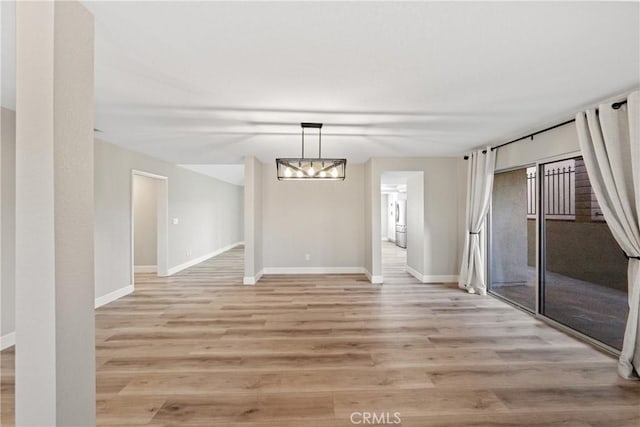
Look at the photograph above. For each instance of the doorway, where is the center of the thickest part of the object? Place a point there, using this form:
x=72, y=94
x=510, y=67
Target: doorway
x=402, y=223
x=149, y=224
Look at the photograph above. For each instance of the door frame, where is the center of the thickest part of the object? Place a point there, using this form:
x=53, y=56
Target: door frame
x=162, y=212
x=540, y=255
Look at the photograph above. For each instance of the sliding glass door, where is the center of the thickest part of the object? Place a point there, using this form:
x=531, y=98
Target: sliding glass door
x=578, y=275
x=584, y=280
x=512, y=274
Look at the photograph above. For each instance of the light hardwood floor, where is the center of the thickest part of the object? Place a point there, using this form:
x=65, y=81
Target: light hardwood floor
x=201, y=349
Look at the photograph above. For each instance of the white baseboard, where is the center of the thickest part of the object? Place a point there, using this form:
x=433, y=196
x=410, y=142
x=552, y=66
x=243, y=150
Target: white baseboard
x=426, y=278
x=191, y=263
x=252, y=280
x=314, y=270
x=442, y=278
x=112, y=296
x=7, y=340
x=376, y=280
x=145, y=268
x=414, y=273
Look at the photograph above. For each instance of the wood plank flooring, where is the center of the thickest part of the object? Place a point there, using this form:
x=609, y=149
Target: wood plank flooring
x=200, y=349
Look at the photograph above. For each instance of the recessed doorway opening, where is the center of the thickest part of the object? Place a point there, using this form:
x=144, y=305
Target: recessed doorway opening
x=149, y=224
x=402, y=223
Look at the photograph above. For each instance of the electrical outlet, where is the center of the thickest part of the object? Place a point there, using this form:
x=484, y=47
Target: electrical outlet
x=175, y=221
x=188, y=252
x=307, y=257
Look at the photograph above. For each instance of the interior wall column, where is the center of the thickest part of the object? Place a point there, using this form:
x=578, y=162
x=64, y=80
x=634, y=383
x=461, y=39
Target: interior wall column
x=55, y=332
x=253, y=267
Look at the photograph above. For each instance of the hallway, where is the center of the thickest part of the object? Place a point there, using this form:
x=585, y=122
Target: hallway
x=198, y=348
x=394, y=261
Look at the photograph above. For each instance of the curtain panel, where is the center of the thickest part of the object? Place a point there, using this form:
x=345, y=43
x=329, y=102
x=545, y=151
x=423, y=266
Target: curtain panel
x=481, y=168
x=610, y=143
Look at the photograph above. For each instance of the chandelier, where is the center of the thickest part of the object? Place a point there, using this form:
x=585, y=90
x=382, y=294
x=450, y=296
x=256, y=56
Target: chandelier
x=311, y=168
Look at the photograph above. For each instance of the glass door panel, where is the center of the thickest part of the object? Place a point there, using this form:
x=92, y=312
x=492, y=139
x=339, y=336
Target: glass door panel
x=512, y=272
x=584, y=280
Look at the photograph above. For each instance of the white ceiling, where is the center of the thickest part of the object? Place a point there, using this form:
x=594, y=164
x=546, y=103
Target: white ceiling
x=211, y=82
x=233, y=174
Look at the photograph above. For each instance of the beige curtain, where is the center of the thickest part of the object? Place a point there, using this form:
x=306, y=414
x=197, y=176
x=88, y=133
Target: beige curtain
x=610, y=143
x=479, y=184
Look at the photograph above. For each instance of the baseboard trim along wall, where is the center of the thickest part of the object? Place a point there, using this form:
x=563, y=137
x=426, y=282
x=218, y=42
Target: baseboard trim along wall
x=426, y=278
x=252, y=280
x=8, y=340
x=145, y=268
x=376, y=280
x=443, y=278
x=112, y=296
x=191, y=263
x=314, y=270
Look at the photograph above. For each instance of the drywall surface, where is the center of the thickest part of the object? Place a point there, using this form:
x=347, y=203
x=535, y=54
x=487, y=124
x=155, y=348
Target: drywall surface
x=555, y=142
x=253, y=261
x=8, y=220
x=145, y=220
x=371, y=187
x=384, y=226
x=442, y=187
x=208, y=212
x=314, y=224
x=415, y=222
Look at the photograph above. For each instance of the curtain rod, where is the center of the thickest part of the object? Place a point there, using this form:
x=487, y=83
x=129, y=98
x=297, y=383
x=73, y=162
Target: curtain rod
x=615, y=106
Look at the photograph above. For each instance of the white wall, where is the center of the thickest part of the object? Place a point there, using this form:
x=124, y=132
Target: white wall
x=209, y=214
x=390, y=216
x=321, y=219
x=384, y=213
x=8, y=224
x=145, y=222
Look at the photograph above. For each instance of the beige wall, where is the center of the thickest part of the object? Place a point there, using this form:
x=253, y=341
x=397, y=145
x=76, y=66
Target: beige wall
x=321, y=219
x=371, y=187
x=442, y=239
x=349, y=213
x=253, y=263
x=145, y=220
x=555, y=142
x=209, y=213
x=8, y=220
x=55, y=350
x=415, y=222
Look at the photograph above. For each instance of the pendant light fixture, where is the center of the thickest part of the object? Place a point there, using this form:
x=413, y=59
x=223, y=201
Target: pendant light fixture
x=311, y=168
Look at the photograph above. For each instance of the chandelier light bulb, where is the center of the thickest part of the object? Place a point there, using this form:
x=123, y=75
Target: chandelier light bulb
x=310, y=168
